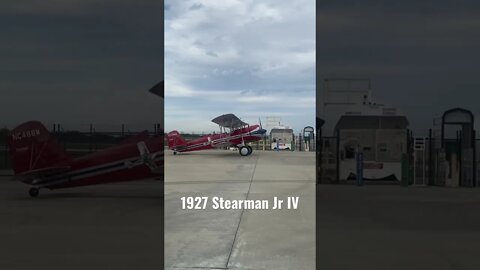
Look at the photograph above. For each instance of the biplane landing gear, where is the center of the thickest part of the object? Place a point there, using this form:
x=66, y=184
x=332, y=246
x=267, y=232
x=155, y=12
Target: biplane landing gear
x=250, y=150
x=174, y=153
x=33, y=192
x=244, y=151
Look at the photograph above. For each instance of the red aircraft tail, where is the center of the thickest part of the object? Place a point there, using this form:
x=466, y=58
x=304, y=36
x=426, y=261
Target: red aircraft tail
x=175, y=140
x=33, y=148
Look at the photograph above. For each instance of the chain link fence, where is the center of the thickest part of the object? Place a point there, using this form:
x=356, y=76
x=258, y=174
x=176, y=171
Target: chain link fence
x=77, y=143
x=424, y=163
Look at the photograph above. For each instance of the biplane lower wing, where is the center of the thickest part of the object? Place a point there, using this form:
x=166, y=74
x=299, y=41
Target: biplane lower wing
x=37, y=174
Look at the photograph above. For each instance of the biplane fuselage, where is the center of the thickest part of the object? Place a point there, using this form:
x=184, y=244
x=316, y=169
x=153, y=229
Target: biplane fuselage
x=239, y=135
x=38, y=160
x=236, y=138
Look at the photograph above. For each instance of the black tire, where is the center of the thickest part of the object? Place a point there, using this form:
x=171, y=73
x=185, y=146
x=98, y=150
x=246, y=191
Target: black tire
x=33, y=192
x=250, y=150
x=243, y=151
x=174, y=153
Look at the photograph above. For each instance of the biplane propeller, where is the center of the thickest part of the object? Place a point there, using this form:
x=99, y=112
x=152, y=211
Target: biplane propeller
x=233, y=132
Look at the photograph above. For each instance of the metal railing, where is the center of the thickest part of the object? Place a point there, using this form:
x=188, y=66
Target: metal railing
x=426, y=164
x=76, y=143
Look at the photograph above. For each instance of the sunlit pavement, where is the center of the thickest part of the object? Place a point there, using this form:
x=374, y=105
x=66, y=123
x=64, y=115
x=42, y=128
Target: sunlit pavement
x=240, y=239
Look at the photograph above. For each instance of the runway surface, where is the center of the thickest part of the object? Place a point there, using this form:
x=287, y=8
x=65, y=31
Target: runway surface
x=393, y=227
x=116, y=226
x=240, y=239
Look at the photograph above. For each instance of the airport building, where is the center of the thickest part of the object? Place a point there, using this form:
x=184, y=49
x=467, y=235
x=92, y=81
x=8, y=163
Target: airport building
x=382, y=140
x=282, y=138
x=361, y=137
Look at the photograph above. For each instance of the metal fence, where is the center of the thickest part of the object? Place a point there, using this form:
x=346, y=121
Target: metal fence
x=76, y=143
x=4, y=155
x=425, y=163
x=298, y=144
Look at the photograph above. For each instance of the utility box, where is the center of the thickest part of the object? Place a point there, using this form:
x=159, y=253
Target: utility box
x=381, y=139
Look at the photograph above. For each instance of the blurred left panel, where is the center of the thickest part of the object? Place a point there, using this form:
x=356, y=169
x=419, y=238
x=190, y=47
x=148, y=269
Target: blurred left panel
x=81, y=134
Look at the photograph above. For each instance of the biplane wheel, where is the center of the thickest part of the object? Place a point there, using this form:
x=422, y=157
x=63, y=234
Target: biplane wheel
x=244, y=151
x=174, y=153
x=250, y=150
x=33, y=192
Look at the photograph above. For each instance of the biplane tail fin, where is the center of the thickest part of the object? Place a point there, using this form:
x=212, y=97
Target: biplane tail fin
x=33, y=148
x=175, y=140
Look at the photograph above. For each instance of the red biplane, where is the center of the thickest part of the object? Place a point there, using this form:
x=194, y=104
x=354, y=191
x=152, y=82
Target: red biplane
x=233, y=132
x=39, y=160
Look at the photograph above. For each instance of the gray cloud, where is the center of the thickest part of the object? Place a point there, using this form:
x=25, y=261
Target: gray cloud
x=244, y=57
x=422, y=56
x=81, y=62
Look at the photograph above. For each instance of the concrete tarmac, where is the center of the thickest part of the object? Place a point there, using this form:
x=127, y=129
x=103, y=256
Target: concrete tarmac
x=379, y=227
x=114, y=226
x=240, y=239
x=118, y=226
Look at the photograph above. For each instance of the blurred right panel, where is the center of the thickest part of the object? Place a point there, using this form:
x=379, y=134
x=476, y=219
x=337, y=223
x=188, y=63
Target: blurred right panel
x=397, y=155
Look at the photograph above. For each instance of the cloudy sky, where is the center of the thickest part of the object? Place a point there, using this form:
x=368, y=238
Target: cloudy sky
x=423, y=56
x=81, y=61
x=252, y=58
x=92, y=61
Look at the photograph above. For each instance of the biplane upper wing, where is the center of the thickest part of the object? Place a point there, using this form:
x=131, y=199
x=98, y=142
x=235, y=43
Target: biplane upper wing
x=229, y=121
